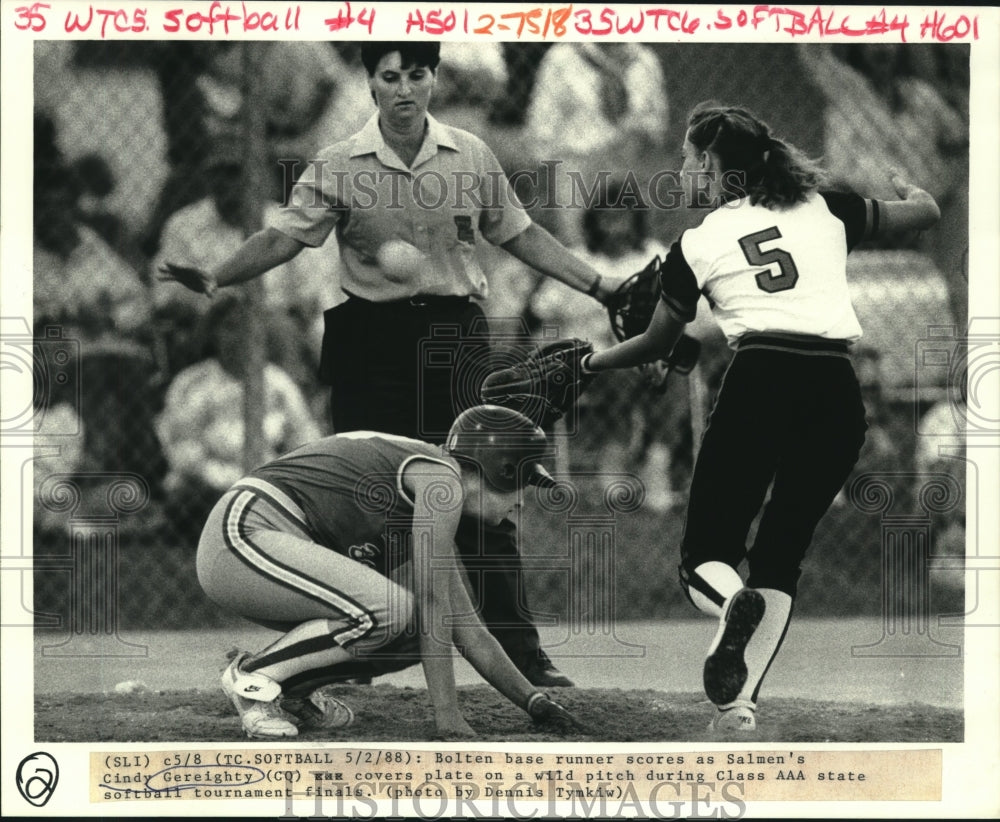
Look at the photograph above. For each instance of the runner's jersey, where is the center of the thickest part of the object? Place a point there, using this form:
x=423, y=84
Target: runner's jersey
x=772, y=270
x=350, y=488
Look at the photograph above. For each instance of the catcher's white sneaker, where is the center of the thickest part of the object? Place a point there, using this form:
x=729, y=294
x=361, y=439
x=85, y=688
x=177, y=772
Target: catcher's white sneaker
x=320, y=711
x=725, y=670
x=255, y=697
x=736, y=721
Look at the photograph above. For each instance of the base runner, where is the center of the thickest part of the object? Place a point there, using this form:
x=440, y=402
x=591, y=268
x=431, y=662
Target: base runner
x=346, y=545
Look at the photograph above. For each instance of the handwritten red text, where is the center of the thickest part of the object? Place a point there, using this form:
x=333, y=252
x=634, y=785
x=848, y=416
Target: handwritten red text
x=345, y=19
x=221, y=19
x=121, y=21
x=31, y=18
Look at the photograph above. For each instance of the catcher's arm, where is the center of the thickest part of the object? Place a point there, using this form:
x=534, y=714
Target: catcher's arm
x=654, y=343
x=261, y=252
x=537, y=248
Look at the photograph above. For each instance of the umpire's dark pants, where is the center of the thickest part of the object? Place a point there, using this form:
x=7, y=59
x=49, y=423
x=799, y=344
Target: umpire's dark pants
x=410, y=367
x=789, y=412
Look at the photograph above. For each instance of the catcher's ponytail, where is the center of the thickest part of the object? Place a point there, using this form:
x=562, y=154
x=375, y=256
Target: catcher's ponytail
x=756, y=165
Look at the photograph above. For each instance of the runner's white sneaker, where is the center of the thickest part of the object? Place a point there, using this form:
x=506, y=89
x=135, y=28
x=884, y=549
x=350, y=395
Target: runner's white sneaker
x=255, y=697
x=321, y=711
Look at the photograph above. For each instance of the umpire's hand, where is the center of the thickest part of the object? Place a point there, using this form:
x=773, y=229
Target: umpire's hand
x=192, y=278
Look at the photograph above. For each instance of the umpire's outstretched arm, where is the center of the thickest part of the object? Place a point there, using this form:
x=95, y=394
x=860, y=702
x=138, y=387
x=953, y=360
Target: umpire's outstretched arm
x=537, y=248
x=261, y=252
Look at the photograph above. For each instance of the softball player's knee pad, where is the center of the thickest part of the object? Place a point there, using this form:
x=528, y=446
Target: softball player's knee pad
x=709, y=584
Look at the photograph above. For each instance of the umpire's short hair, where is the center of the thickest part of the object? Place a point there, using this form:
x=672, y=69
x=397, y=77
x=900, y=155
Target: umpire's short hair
x=412, y=53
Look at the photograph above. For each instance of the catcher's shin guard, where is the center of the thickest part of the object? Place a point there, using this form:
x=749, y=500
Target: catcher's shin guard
x=725, y=673
x=763, y=646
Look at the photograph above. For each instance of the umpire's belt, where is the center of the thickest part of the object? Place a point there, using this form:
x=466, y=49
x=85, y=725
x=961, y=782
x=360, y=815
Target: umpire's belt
x=794, y=343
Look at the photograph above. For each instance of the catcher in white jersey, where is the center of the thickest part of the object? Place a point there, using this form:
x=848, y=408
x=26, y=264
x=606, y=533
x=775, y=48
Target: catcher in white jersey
x=771, y=258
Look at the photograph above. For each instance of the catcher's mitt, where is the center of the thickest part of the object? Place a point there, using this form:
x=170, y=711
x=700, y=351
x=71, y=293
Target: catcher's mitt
x=545, y=385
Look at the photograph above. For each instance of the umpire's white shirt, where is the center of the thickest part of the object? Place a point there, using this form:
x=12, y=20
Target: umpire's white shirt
x=454, y=194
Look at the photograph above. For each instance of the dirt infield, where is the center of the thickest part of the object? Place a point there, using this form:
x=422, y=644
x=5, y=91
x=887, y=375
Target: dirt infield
x=816, y=662
x=402, y=714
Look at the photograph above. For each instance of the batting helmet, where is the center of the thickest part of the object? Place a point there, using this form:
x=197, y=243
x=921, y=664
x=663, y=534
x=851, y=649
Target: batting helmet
x=506, y=445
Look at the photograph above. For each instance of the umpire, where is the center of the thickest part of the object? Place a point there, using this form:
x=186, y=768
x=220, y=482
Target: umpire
x=409, y=200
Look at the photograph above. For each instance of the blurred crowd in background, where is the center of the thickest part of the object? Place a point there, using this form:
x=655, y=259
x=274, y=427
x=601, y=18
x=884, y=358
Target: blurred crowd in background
x=138, y=159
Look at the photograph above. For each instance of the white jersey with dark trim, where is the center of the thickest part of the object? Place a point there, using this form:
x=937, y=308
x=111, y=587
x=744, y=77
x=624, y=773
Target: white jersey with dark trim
x=772, y=270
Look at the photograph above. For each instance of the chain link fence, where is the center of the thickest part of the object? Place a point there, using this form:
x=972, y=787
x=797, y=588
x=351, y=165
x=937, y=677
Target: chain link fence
x=140, y=156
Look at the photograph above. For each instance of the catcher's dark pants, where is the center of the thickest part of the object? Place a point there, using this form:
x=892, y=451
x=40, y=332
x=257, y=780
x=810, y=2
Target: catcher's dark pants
x=410, y=368
x=789, y=410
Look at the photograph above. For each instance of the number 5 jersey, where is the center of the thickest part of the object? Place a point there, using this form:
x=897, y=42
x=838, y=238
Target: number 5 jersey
x=770, y=269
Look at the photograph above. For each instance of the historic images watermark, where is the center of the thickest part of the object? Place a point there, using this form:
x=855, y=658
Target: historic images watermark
x=356, y=782
x=368, y=190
